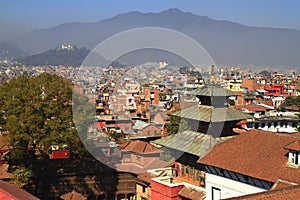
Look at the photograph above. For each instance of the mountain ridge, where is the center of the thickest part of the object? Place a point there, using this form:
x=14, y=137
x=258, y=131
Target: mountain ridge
x=227, y=42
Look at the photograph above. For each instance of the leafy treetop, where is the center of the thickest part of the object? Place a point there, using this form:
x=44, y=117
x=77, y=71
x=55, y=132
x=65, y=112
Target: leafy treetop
x=36, y=114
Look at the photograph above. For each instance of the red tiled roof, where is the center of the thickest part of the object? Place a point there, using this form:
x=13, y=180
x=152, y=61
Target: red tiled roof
x=258, y=154
x=191, y=194
x=138, y=146
x=239, y=131
x=290, y=193
x=145, y=177
x=293, y=146
x=255, y=108
x=280, y=184
x=10, y=191
x=138, y=169
x=292, y=108
x=4, y=174
x=73, y=196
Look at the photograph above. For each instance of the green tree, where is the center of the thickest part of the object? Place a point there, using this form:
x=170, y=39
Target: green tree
x=83, y=117
x=37, y=114
x=176, y=125
x=116, y=135
x=162, y=96
x=23, y=177
x=290, y=101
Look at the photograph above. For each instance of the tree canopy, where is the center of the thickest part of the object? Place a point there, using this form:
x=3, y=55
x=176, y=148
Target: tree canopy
x=291, y=101
x=177, y=124
x=36, y=115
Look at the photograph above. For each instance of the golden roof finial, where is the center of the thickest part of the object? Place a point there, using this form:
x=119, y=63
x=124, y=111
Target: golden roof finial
x=212, y=79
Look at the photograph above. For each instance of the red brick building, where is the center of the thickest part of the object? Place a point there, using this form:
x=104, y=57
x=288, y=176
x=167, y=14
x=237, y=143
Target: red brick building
x=274, y=90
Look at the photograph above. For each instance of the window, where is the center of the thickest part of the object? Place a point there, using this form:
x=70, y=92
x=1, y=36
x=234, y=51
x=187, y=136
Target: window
x=216, y=193
x=148, y=132
x=269, y=124
x=294, y=158
x=144, y=188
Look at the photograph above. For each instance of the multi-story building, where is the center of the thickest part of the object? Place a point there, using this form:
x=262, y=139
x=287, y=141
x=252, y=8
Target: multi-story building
x=252, y=162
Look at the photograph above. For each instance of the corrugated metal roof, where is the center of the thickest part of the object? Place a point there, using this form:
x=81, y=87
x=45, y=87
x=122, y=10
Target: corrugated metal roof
x=140, y=125
x=191, y=142
x=213, y=90
x=209, y=114
x=261, y=91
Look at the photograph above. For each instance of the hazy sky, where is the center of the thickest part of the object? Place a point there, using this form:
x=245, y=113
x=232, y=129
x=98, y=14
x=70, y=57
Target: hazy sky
x=18, y=16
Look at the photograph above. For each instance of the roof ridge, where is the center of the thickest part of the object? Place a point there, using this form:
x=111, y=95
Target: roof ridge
x=274, y=133
x=145, y=146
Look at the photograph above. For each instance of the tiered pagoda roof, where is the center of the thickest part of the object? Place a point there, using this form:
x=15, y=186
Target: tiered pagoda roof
x=208, y=114
x=213, y=90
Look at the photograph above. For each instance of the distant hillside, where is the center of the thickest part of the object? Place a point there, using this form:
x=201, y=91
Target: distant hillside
x=68, y=55
x=71, y=56
x=9, y=51
x=225, y=41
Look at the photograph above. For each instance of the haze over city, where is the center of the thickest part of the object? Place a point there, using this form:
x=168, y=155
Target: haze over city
x=150, y=100
x=21, y=16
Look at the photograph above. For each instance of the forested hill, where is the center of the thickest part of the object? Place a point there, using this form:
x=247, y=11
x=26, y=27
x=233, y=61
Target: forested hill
x=66, y=55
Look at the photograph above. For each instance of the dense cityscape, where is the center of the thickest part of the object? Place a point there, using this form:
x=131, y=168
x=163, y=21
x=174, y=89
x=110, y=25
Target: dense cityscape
x=150, y=125
x=154, y=124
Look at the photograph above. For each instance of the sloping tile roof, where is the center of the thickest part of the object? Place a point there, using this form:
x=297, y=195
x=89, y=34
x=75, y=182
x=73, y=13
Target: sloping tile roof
x=4, y=174
x=191, y=194
x=292, y=108
x=280, y=184
x=258, y=154
x=3, y=144
x=73, y=196
x=293, y=146
x=138, y=146
x=213, y=90
x=163, y=115
x=254, y=108
x=10, y=191
x=290, y=193
x=138, y=169
x=191, y=142
x=209, y=114
x=145, y=177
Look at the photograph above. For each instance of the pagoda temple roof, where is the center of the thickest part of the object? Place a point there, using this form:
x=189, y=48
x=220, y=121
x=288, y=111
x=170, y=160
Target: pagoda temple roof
x=206, y=113
x=213, y=90
x=191, y=142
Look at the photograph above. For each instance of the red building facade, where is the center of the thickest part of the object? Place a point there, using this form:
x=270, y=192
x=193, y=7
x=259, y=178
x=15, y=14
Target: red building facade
x=274, y=90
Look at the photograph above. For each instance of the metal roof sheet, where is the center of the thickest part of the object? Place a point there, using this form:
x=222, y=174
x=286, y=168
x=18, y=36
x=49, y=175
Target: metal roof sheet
x=213, y=90
x=191, y=142
x=210, y=114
